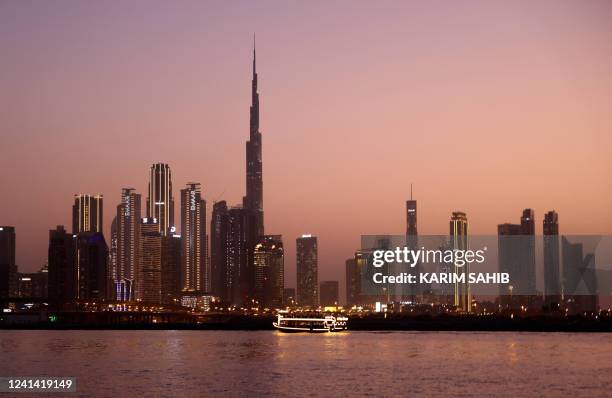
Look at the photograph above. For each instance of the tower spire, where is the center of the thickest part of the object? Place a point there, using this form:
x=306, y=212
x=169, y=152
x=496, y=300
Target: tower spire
x=410, y=191
x=254, y=55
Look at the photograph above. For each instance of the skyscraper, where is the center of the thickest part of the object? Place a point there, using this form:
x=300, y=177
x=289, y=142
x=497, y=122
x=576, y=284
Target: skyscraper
x=459, y=238
x=194, y=238
x=112, y=257
x=63, y=279
x=254, y=172
x=218, y=250
x=91, y=266
x=160, y=202
x=269, y=272
x=128, y=241
x=8, y=268
x=516, y=254
x=149, y=277
x=240, y=242
x=171, y=285
x=307, y=271
x=552, y=277
x=328, y=291
x=87, y=213
x=411, y=292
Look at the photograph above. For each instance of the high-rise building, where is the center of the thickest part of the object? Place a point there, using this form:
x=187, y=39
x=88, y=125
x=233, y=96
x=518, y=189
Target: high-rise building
x=92, y=266
x=412, y=292
x=552, y=277
x=516, y=256
x=112, y=257
x=194, y=238
x=160, y=202
x=149, y=283
x=328, y=291
x=240, y=244
x=580, y=290
x=254, y=172
x=8, y=267
x=353, y=283
x=171, y=269
x=63, y=275
x=459, y=238
x=307, y=271
x=87, y=214
x=218, y=250
x=269, y=272
x=128, y=238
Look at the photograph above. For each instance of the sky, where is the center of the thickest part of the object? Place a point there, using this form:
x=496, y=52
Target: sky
x=487, y=107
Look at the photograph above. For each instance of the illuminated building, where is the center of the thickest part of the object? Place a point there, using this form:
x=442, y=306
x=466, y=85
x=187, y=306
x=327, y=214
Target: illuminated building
x=160, y=202
x=240, y=243
x=91, y=265
x=194, y=238
x=411, y=292
x=328, y=291
x=552, y=277
x=307, y=271
x=269, y=272
x=128, y=243
x=8, y=268
x=63, y=276
x=218, y=250
x=148, y=281
x=87, y=213
x=34, y=285
x=459, y=239
x=289, y=297
x=516, y=254
x=112, y=257
x=254, y=176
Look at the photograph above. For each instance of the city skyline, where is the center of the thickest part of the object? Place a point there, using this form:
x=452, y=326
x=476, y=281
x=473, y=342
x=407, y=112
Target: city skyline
x=297, y=180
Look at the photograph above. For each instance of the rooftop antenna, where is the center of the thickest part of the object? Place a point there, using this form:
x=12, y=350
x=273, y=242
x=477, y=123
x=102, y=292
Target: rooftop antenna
x=410, y=191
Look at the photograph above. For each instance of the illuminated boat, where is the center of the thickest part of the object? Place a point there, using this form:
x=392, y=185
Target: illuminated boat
x=313, y=325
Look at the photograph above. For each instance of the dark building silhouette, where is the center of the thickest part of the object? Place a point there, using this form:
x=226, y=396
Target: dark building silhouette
x=34, y=285
x=240, y=242
x=218, y=251
x=8, y=267
x=353, y=283
x=328, y=292
x=128, y=244
x=307, y=271
x=87, y=213
x=63, y=279
x=269, y=272
x=254, y=171
x=459, y=241
x=552, y=277
x=194, y=238
x=160, y=202
x=149, y=282
x=171, y=275
x=92, y=266
x=516, y=255
x=579, y=277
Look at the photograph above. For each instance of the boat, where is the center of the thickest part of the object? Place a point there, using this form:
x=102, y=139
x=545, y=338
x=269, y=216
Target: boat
x=312, y=325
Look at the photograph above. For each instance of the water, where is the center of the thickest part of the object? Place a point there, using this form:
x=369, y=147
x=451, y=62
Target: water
x=208, y=363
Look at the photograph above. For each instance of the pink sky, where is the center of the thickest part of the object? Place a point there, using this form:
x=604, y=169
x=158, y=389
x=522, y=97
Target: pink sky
x=487, y=107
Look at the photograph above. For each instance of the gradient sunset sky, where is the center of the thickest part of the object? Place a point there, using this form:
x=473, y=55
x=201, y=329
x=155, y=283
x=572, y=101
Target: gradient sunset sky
x=487, y=107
